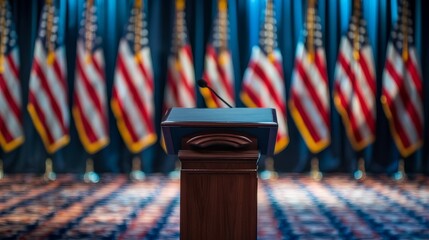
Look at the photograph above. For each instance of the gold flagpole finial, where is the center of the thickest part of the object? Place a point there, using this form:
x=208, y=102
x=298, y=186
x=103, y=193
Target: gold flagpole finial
x=404, y=29
x=88, y=32
x=222, y=5
x=137, y=30
x=50, y=42
x=310, y=29
x=356, y=35
x=180, y=5
x=3, y=35
x=138, y=3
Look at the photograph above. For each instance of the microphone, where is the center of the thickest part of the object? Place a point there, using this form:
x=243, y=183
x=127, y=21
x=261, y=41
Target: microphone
x=203, y=84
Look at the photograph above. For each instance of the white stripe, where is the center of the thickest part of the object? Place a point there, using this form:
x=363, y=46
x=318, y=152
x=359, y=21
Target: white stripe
x=12, y=123
x=12, y=83
x=309, y=107
x=410, y=88
x=57, y=91
x=214, y=77
x=92, y=74
x=313, y=74
x=89, y=111
x=40, y=95
x=129, y=107
x=187, y=66
x=186, y=99
x=402, y=114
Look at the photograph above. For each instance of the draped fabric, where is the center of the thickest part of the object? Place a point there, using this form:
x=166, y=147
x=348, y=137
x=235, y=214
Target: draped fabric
x=132, y=98
x=402, y=91
x=263, y=81
x=354, y=87
x=90, y=100
x=11, y=130
x=309, y=103
x=244, y=15
x=219, y=67
x=47, y=100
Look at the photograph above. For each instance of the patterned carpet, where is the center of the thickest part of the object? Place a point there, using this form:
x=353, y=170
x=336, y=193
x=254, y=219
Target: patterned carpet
x=291, y=207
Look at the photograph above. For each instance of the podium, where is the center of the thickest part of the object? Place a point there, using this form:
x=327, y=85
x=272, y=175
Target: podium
x=219, y=151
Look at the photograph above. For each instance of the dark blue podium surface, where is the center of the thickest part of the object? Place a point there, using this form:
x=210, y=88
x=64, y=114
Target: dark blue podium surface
x=258, y=122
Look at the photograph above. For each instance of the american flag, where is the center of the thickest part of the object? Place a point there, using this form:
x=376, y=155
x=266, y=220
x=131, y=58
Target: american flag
x=48, y=101
x=219, y=71
x=263, y=82
x=309, y=102
x=133, y=89
x=402, y=90
x=11, y=132
x=355, y=86
x=90, y=99
x=180, y=85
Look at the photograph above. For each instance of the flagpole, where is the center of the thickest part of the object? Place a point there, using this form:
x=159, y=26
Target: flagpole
x=1, y=169
x=90, y=176
x=315, y=172
x=400, y=175
x=360, y=173
x=49, y=175
x=136, y=173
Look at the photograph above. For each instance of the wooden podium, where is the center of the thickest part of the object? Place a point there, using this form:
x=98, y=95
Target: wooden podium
x=219, y=150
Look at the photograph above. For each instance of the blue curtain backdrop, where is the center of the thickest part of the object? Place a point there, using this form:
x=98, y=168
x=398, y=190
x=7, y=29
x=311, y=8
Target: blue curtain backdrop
x=245, y=17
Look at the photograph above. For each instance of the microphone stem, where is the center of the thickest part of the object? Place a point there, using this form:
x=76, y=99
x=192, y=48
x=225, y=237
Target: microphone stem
x=213, y=91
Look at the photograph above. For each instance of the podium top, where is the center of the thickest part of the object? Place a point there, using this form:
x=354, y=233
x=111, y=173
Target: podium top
x=258, y=122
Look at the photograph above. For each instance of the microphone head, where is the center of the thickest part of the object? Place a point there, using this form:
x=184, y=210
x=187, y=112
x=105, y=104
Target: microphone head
x=202, y=83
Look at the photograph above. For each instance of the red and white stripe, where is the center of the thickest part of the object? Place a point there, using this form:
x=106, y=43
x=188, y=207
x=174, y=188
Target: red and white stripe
x=354, y=93
x=11, y=131
x=90, y=99
x=48, y=103
x=309, y=103
x=263, y=86
x=132, y=100
x=219, y=74
x=402, y=95
x=180, y=86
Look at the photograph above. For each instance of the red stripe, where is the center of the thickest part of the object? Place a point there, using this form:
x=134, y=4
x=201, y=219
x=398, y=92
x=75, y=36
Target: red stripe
x=415, y=76
x=321, y=66
x=88, y=131
x=311, y=89
x=278, y=65
x=395, y=120
x=92, y=94
x=97, y=66
x=252, y=95
x=368, y=75
x=346, y=106
x=405, y=98
x=212, y=95
x=60, y=76
x=13, y=66
x=124, y=116
x=41, y=116
x=296, y=101
x=9, y=99
x=267, y=82
x=52, y=101
x=173, y=88
x=221, y=71
x=146, y=76
x=357, y=92
x=142, y=110
x=183, y=78
x=4, y=131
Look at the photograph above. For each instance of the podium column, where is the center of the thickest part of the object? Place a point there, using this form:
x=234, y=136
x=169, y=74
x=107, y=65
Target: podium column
x=218, y=195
